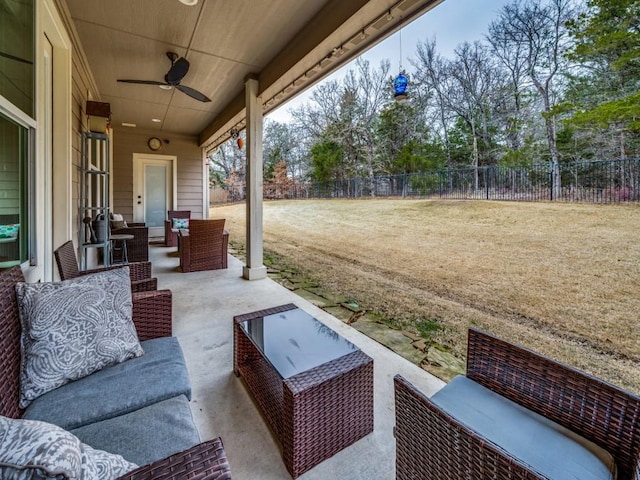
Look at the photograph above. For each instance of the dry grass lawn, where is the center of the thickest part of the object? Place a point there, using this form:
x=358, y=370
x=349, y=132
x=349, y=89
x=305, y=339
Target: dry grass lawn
x=563, y=279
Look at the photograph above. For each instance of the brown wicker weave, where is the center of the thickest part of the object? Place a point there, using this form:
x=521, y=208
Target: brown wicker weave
x=206, y=461
x=314, y=414
x=171, y=237
x=203, y=246
x=137, y=247
x=10, y=343
x=152, y=317
x=152, y=314
x=140, y=272
x=431, y=444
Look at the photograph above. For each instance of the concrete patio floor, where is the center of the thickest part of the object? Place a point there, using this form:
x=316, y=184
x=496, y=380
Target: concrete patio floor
x=204, y=304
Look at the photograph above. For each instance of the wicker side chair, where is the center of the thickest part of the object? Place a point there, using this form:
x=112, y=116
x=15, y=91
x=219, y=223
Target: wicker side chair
x=170, y=233
x=138, y=246
x=203, y=246
x=432, y=444
x=140, y=272
x=152, y=317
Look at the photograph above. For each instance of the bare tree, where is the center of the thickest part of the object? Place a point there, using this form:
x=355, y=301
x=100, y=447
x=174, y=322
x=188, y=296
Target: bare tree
x=538, y=34
x=228, y=159
x=510, y=101
x=282, y=142
x=475, y=78
x=433, y=79
x=369, y=89
x=346, y=112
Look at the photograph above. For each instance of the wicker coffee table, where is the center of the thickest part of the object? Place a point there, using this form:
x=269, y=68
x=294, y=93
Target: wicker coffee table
x=314, y=388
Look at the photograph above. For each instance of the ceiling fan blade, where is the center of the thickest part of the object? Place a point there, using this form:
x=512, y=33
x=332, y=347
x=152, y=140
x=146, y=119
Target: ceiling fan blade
x=143, y=82
x=193, y=93
x=178, y=70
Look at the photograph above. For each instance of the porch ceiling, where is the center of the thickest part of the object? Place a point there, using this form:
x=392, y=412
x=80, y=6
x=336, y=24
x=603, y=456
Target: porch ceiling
x=288, y=44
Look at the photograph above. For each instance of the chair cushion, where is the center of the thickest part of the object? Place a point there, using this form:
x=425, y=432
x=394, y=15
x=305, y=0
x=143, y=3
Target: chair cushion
x=548, y=448
x=31, y=449
x=159, y=374
x=146, y=435
x=73, y=328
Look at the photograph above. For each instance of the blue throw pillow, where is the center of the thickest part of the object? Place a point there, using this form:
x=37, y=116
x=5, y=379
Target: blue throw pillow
x=9, y=231
x=180, y=223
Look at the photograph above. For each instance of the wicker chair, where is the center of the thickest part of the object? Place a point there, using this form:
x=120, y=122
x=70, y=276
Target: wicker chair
x=203, y=246
x=152, y=318
x=431, y=444
x=138, y=246
x=140, y=272
x=170, y=233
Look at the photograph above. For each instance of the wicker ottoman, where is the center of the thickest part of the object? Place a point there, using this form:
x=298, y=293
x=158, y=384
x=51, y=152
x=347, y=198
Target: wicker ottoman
x=314, y=388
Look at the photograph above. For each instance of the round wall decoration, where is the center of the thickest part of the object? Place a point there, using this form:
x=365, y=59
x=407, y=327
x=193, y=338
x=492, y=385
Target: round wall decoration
x=154, y=143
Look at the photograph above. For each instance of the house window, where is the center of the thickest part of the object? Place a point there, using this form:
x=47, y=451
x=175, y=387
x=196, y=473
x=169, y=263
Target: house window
x=14, y=188
x=17, y=53
x=17, y=114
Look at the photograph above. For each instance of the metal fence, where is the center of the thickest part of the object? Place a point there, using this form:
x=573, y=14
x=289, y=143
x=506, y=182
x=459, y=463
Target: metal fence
x=610, y=181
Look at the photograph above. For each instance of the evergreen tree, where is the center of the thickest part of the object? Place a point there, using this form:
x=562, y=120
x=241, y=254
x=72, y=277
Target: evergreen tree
x=606, y=93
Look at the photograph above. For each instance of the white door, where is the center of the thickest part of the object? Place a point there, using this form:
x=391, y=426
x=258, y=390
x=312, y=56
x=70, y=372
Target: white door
x=154, y=190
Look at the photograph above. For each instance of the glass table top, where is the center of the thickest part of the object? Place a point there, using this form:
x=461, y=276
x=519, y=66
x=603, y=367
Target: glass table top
x=294, y=341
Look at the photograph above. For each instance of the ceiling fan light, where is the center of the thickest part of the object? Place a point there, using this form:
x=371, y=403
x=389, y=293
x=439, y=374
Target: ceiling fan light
x=189, y=3
x=165, y=87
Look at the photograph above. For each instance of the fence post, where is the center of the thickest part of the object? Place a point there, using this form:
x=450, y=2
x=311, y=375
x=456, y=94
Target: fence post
x=551, y=181
x=486, y=182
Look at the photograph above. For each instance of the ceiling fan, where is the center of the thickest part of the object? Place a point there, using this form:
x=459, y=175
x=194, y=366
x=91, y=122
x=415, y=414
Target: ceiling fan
x=179, y=68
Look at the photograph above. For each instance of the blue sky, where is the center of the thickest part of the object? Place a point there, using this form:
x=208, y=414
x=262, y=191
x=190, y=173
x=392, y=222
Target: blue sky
x=451, y=23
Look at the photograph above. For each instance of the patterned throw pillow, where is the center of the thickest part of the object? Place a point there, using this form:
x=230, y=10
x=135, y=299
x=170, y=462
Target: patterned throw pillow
x=73, y=328
x=179, y=223
x=9, y=231
x=30, y=450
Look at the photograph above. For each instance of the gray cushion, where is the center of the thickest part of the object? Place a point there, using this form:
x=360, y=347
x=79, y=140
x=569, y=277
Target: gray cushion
x=545, y=446
x=73, y=328
x=145, y=435
x=159, y=374
x=31, y=449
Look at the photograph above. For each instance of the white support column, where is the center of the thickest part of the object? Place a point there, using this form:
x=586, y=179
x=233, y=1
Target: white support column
x=254, y=269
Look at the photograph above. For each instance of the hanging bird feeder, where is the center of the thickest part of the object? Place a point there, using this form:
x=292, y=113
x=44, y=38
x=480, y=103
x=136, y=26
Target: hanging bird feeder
x=235, y=135
x=401, y=82
x=400, y=87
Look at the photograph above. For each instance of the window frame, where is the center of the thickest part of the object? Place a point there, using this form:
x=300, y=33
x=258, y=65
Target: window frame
x=17, y=116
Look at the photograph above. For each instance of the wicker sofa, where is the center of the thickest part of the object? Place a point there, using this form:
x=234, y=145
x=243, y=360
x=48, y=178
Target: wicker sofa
x=516, y=415
x=138, y=408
